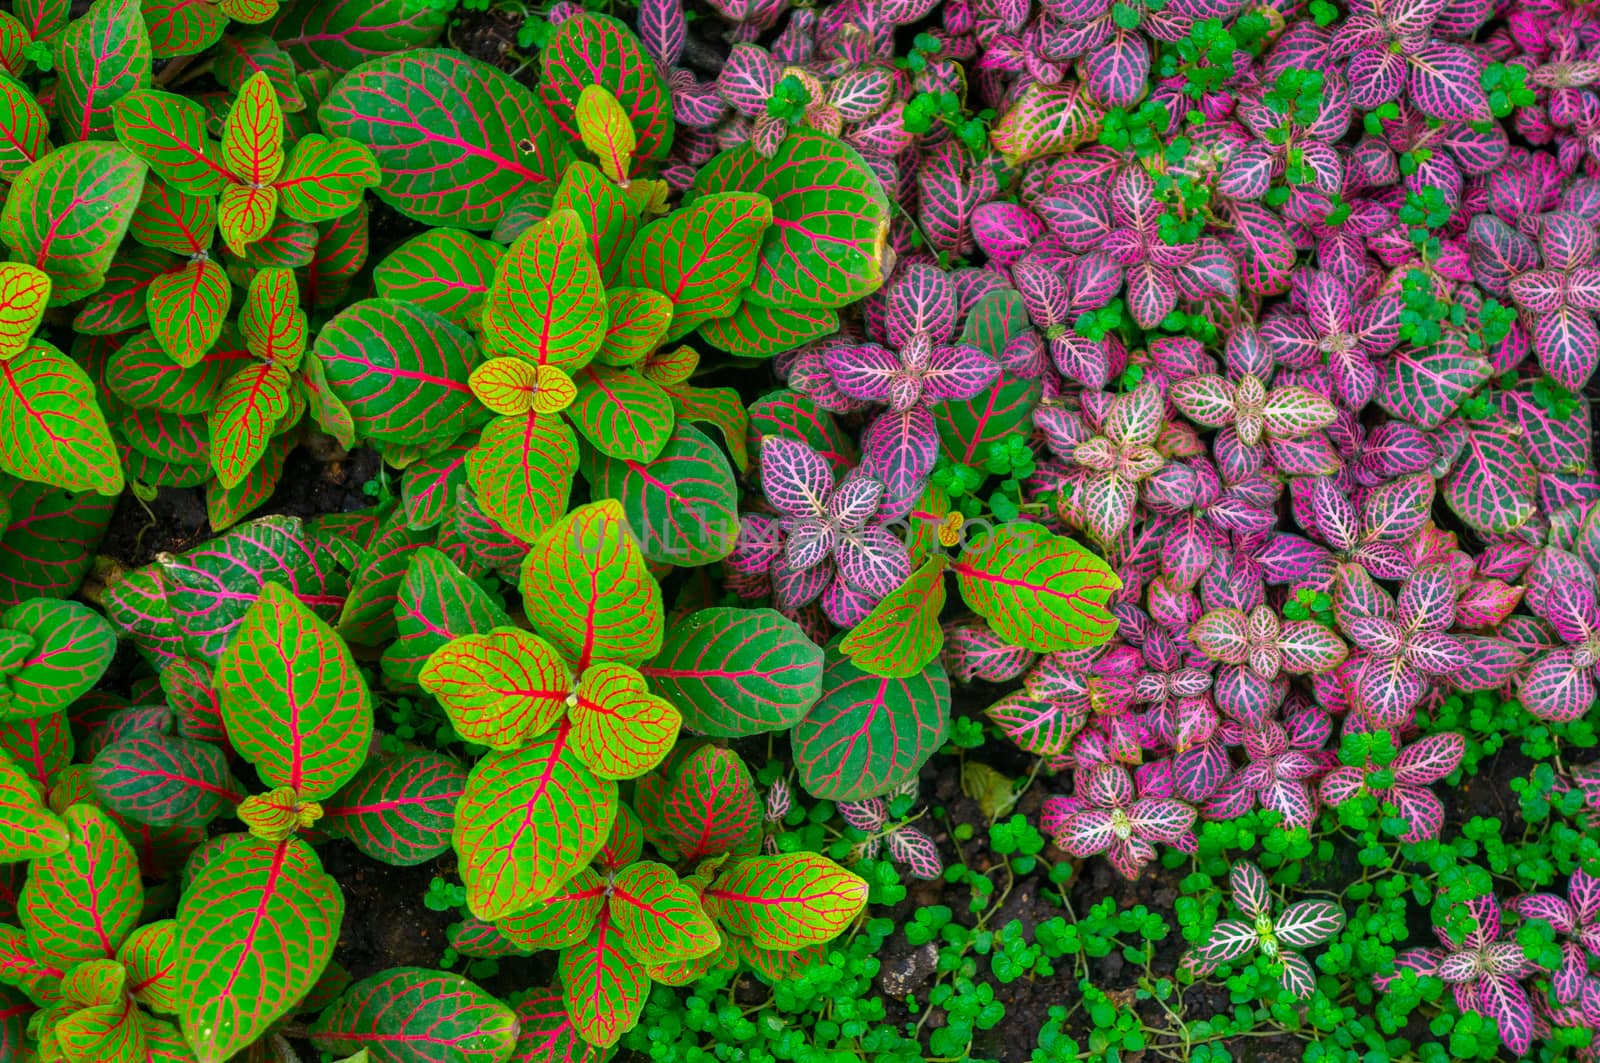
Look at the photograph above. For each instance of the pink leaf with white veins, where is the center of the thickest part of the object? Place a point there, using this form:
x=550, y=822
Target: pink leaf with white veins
x=1427, y=601
x=1505, y=1001
x=957, y=371
x=1251, y=891
x=1429, y=759
x=863, y=371
x=795, y=479
x=872, y=560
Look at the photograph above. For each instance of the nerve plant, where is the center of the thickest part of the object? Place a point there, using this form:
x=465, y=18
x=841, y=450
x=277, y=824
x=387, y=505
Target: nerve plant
x=1277, y=934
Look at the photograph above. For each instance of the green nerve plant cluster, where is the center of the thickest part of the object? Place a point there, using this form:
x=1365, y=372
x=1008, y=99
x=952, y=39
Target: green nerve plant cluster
x=582, y=771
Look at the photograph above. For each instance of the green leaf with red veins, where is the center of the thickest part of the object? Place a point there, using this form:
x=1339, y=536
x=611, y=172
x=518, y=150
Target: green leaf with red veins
x=587, y=587
x=530, y=819
x=293, y=701
x=192, y=700
x=733, y=673
x=473, y=540
x=762, y=331
x=24, y=293
x=81, y=903
x=289, y=244
x=273, y=325
x=1042, y=727
x=683, y=504
x=968, y=428
x=593, y=49
x=475, y=939
x=15, y=1010
x=626, y=843
x=44, y=221
x=72, y=648
x=701, y=257
x=26, y=130
x=105, y=1025
x=825, y=248
x=42, y=19
x=137, y=604
x=325, y=179
x=722, y=409
x=245, y=415
x=41, y=746
x=1493, y=484
x=436, y=603
x=368, y=618
x=51, y=428
x=711, y=807
x=28, y=830
x=561, y=920
x=169, y=133
x=119, y=305
x=341, y=251
x=20, y=967
x=180, y=28
x=429, y=486
x=150, y=955
x=256, y=929
x=868, y=733
x=547, y=1034
x=902, y=635
x=547, y=304
x=621, y=413
x=660, y=918
x=414, y=1015
x=609, y=218
x=245, y=54
x=791, y=415
x=786, y=902
x=342, y=34
x=399, y=810
x=173, y=220
x=1038, y=590
x=639, y=320
x=175, y=439
x=460, y=161
x=619, y=728
x=1048, y=119
x=400, y=369
x=327, y=410
x=100, y=58
x=521, y=471
x=226, y=506
x=160, y=779
x=500, y=689
x=446, y=271
x=604, y=984
x=186, y=307
x=252, y=134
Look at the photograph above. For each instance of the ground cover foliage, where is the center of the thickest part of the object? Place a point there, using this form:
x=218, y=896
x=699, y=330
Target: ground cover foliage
x=756, y=531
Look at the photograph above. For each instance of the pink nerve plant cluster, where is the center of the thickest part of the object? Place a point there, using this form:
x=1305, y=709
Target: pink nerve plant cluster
x=1297, y=337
